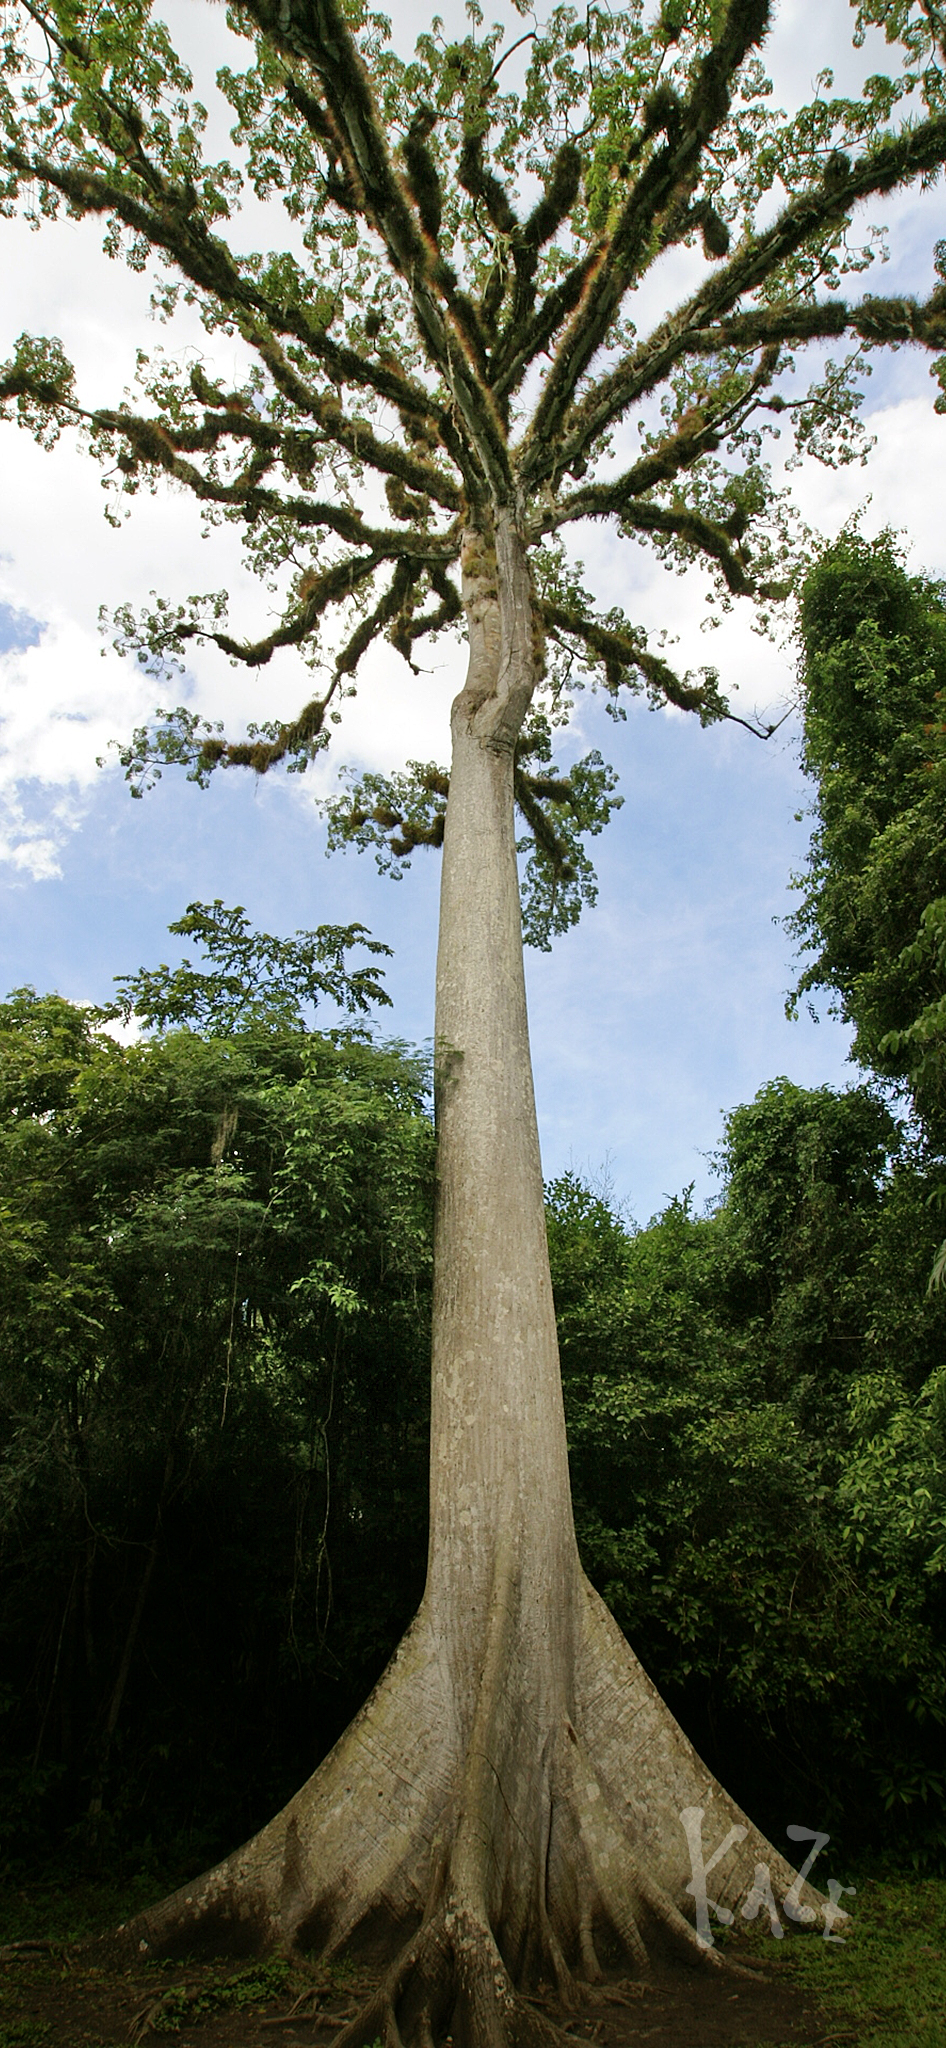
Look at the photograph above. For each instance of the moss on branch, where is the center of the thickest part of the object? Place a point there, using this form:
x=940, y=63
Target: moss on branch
x=443, y=284
x=893, y=161
x=626, y=661
x=656, y=205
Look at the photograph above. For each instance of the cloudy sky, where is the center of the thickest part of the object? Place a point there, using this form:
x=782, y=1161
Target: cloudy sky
x=666, y=1006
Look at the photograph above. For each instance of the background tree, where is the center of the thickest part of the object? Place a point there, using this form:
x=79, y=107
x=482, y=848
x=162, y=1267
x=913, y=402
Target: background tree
x=214, y=1339
x=873, y=908
x=755, y=1404
x=518, y=1785
x=209, y=1488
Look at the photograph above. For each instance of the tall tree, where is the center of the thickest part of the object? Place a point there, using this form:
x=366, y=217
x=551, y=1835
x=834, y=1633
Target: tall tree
x=872, y=915
x=454, y=322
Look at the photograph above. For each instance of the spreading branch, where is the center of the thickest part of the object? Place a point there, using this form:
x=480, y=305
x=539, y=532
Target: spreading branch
x=873, y=319
x=172, y=224
x=896, y=160
x=318, y=34
x=656, y=205
x=448, y=236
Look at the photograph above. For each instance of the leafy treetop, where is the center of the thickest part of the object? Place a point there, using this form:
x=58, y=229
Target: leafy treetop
x=250, y=979
x=450, y=329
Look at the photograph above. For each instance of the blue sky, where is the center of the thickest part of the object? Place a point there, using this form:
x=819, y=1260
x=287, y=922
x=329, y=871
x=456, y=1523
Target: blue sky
x=665, y=1006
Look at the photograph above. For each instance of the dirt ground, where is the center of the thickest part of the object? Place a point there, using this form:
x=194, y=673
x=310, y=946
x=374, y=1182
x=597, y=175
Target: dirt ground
x=51, y=1996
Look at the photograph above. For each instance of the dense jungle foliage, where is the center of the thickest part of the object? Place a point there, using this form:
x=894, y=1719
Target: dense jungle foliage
x=216, y=1266
x=872, y=916
x=214, y=1338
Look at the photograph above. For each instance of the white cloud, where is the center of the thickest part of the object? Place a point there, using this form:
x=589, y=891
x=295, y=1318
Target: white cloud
x=60, y=704
x=30, y=846
x=901, y=485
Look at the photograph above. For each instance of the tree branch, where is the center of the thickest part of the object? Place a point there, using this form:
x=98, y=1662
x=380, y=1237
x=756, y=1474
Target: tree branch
x=317, y=33
x=356, y=437
x=890, y=163
x=874, y=319
x=301, y=736
x=170, y=223
x=625, y=496
x=319, y=592
x=528, y=789
x=157, y=446
x=394, y=600
x=416, y=626
x=622, y=653
x=520, y=337
x=521, y=342
x=660, y=193
x=681, y=524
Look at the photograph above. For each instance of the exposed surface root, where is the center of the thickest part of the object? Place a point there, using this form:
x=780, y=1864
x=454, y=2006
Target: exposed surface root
x=531, y=1841
x=588, y=1908
x=450, y=1979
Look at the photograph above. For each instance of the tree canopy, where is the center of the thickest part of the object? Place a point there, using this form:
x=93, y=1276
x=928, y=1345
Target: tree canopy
x=214, y=1269
x=451, y=325
x=250, y=978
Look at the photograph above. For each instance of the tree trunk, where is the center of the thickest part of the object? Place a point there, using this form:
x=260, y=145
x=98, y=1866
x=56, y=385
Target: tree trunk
x=506, y=1808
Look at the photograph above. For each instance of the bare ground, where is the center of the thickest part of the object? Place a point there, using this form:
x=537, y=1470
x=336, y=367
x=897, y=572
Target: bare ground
x=51, y=1996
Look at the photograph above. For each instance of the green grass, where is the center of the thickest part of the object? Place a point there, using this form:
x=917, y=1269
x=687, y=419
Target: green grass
x=885, y=1985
